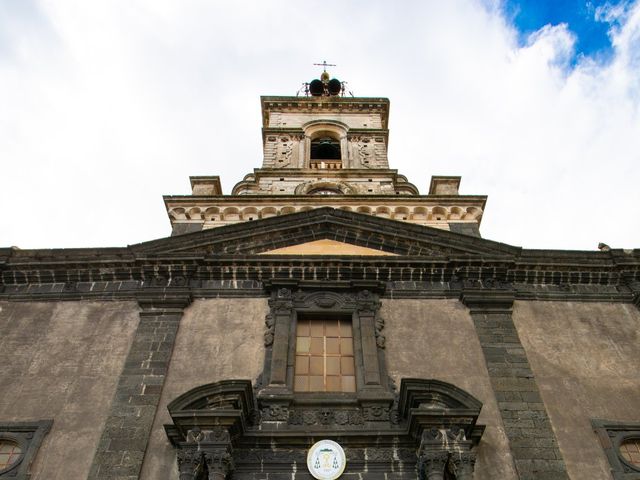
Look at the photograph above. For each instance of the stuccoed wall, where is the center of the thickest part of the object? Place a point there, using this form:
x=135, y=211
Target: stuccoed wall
x=218, y=339
x=61, y=361
x=437, y=339
x=585, y=359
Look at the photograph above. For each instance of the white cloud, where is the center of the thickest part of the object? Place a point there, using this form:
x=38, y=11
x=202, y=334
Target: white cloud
x=108, y=105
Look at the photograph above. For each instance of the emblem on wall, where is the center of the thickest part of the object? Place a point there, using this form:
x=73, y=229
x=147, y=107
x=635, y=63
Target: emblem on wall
x=326, y=460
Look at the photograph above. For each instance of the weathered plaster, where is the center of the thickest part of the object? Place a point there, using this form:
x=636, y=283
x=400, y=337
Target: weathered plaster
x=218, y=339
x=585, y=359
x=437, y=339
x=62, y=361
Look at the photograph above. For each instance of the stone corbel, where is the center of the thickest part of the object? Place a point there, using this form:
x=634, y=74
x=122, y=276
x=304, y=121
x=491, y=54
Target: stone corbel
x=488, y=298
x=164, y=293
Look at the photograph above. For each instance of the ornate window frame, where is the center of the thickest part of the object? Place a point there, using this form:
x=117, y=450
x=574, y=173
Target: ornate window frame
x=291, y=299
x=28, y=436
x=612, y=434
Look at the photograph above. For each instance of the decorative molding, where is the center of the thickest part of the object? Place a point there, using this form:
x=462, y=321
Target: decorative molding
x=432, y=405
x=211, y=430
x=290, y=299
x=225, y=262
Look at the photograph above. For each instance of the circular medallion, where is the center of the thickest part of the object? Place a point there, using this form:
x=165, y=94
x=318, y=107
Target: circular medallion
x=326, y=460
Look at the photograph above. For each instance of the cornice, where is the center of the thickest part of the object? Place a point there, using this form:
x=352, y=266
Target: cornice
x=227, y=261
x=325, y=104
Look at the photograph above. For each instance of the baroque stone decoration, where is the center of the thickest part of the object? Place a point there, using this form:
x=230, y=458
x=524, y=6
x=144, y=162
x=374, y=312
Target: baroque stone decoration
x=360, y=302
x=357, y=178
x=435, y=429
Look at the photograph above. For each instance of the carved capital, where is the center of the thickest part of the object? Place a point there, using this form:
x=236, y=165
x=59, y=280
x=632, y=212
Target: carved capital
x=463, y=464
x=431, y=465
x=219, y=462
x=281, y=305
x=189, y=459
x=154, y=302
x=367, y=303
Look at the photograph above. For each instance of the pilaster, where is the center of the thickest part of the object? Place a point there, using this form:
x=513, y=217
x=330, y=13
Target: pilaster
x=532, y=441
x=124, y=439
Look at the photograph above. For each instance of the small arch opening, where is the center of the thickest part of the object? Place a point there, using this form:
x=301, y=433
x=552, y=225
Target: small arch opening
x=325, y=148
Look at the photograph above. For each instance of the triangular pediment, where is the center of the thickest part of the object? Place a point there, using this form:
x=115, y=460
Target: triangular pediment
x=327, y=246
x=338, y=232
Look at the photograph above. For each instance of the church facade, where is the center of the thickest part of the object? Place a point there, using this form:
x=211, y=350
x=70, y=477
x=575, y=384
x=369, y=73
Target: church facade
x=324, y=320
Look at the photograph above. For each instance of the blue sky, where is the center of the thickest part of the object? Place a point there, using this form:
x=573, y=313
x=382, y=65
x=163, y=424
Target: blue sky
x=585, y=19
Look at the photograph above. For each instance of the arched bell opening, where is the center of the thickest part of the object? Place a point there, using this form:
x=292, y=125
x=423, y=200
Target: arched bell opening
x=325, y=148
x=326, y=153
x=326, y=144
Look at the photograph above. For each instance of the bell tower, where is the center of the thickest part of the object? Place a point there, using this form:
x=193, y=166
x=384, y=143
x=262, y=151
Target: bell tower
x=325, y=149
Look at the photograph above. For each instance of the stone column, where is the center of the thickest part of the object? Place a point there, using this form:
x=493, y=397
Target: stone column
x=464, y=464
x=431, y=465
x=219, y=463
x=188, y=461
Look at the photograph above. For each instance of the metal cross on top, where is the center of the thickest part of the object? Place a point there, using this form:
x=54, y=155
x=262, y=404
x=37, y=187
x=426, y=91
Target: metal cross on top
x=324, y=65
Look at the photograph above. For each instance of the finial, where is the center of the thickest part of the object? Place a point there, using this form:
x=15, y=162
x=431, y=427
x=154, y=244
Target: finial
x=324, y=65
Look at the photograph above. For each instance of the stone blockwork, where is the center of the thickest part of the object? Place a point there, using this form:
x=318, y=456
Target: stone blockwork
x=126, y=434
x=532, y=441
